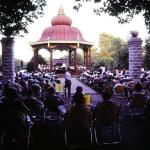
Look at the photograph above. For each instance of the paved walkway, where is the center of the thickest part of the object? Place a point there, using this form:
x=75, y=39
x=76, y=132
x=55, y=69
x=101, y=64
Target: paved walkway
x=86, y=90
x=76, y=83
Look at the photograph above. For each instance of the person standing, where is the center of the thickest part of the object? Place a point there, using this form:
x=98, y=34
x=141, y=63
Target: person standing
x=67, y=77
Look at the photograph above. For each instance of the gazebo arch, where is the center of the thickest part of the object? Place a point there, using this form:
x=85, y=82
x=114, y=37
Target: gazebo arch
x=62, y=36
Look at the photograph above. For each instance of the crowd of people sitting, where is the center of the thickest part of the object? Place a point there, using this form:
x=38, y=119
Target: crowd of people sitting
x=28, y=100
x=24, y=103
x=119, y=84
x=100, y=80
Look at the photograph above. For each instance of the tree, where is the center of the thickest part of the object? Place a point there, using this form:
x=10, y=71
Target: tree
x=100, y=60
x=105, y=41
x=120, y=53
x=123, y=58
x=124, y=10
x=113, y=50
x=147, y=54
x=30, y=64
x=15, y=16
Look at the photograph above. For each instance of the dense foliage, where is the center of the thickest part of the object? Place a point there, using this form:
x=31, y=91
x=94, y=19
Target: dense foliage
x=16, y=15
x=30, y=64
x=124, y=10
x=112, y=53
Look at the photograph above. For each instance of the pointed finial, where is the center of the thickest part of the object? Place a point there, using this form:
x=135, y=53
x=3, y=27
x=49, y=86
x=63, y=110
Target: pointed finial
x=61, y=11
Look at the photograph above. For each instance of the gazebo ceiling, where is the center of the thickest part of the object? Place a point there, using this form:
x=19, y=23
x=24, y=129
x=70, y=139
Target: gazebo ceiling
x=61, y=31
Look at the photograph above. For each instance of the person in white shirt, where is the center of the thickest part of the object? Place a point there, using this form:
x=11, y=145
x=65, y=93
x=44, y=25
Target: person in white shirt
x=67, y=77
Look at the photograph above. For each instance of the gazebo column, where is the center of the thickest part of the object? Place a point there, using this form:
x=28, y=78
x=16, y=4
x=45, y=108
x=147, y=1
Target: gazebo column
x=70, y=62
x=86, y=58
x=75, y=60
x=35, y=59
x=89, y=57
x=51, y=59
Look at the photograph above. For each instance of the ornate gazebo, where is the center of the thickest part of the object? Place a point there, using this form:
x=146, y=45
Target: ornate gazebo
x=62, y=36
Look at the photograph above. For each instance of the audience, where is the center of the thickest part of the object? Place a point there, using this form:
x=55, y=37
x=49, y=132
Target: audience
x=78, y=115
x=33, y=101
x=78, y=97
x=26, y=98
x=13, y=118
x=107, y=109
x=53, y=101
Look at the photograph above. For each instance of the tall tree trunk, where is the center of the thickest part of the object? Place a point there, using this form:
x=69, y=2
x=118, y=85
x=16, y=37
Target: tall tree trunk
x=8, y=66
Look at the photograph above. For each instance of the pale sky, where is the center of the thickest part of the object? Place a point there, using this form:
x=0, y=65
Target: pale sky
x=89, y=24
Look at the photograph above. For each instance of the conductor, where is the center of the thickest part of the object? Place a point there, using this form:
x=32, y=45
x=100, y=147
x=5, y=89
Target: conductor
x=67, y=77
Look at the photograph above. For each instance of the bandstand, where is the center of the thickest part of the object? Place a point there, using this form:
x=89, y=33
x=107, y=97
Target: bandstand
x=62, y=36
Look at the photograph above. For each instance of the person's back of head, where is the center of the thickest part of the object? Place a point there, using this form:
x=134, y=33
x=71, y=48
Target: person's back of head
x=68, y=69
x=121, y=81
x=107, y=94
x=11, y=93
x=79, y=89
x=36, y=90
x=138, y=87
x=51, y=90
x=35, y=87
x=78, y=99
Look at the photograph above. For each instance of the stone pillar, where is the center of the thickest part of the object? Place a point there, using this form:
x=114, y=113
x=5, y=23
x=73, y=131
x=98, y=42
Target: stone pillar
x=135, y=56
x=8, y=65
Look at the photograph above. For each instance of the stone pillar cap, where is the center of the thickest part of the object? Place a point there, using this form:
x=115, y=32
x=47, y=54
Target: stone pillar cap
x=134, y=33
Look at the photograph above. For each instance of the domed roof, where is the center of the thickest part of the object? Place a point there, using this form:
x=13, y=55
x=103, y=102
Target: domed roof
x=61, y=33
x=61, y=29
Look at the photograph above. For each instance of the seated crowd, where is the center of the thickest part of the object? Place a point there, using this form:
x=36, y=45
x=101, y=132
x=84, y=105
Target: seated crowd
x=27, y=100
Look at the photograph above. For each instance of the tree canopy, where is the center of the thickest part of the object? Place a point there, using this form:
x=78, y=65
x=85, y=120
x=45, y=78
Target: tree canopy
x=113, y=52
x=15, y=15
x=124, y=10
